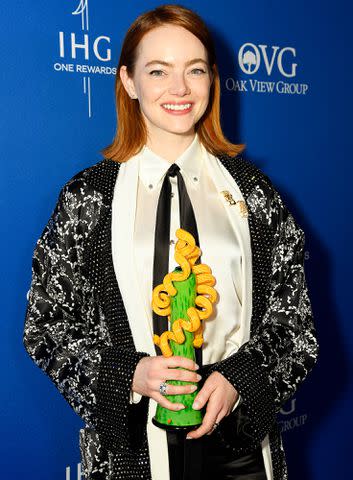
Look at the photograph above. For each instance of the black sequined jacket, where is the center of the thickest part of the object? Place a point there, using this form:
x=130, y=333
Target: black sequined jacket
x=76, y=327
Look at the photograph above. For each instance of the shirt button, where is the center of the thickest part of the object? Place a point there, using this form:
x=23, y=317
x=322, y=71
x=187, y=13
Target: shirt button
x=150, y=185
x=172, y=194
x=171, y=242
x=195, y=179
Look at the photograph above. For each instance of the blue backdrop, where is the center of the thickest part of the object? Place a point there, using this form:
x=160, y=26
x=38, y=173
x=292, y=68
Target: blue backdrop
x=286, y=93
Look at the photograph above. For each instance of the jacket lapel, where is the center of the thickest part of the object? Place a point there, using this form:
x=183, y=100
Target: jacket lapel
x=232, y=199
x=250, y=181
x=123, y=216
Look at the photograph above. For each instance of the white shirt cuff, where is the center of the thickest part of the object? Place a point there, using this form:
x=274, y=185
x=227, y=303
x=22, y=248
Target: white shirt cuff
x=135, y=397
x=236, y=403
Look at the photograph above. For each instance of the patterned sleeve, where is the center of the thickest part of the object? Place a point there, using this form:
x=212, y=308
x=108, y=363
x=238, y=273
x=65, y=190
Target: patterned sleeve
x=65, y=332
x=283, y=348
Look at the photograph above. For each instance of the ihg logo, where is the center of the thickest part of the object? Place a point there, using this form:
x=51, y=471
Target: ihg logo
x=69, y=45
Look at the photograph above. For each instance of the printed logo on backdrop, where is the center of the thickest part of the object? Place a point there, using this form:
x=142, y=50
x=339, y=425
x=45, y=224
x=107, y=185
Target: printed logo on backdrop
x=75, y=49
x=289, y=418
x=261, y=64
x=78, y=475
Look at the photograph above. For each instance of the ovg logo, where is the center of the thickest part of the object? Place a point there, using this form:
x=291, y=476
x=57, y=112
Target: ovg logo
x=251, y=56
x=265, y=61
x=76, y=48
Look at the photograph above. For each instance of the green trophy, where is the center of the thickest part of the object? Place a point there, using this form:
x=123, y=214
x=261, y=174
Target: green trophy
x=187, y=287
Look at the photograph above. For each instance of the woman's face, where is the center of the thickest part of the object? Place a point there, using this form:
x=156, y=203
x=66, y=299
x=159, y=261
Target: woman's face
x=171, y=80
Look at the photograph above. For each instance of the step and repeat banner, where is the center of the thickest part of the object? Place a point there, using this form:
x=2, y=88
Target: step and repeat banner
x=286, y=80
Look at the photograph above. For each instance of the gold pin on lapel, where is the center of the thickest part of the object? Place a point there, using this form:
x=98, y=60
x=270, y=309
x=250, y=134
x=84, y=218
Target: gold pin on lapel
x=243, y=209
x=228, y=196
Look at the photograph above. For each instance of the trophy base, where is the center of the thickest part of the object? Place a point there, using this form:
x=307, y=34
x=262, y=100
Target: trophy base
x=174, y=428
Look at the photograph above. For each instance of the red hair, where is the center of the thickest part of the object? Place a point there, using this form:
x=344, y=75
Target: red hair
x=131, y=133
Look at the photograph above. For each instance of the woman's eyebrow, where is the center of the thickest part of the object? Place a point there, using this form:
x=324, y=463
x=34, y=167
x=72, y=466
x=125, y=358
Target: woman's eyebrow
x=167, y=64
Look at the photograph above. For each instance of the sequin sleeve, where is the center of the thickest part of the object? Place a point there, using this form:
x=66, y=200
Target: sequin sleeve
x=65, y=332
x=268, y=369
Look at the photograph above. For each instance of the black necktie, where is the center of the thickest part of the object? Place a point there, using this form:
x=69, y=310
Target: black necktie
x=162, y=239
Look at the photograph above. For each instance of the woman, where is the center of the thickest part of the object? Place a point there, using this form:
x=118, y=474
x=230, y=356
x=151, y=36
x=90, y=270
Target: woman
x=89, y=322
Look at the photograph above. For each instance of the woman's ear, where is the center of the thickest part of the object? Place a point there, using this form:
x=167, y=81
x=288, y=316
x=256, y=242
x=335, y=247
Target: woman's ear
x=127, y=82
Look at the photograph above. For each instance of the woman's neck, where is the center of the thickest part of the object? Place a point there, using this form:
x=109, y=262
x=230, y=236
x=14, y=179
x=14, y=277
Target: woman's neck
x=171, y=146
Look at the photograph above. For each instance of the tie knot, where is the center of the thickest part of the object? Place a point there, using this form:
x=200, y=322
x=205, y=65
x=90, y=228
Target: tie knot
x=173, y=170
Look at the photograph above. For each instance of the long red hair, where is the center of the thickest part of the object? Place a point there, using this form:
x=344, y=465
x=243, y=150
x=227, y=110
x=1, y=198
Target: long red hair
x=131, y=133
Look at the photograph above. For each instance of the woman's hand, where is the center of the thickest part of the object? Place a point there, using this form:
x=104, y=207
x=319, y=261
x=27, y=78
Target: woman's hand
x=150, y=372
x=221, y=397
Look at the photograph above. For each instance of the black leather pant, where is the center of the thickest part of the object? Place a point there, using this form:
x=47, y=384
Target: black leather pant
x=206, y=458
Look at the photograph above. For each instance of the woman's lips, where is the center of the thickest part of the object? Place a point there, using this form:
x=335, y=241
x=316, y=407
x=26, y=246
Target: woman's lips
x=178, y=112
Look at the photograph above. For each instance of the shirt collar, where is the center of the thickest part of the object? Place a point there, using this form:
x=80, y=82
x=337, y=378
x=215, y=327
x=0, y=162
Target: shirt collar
x=152, y=167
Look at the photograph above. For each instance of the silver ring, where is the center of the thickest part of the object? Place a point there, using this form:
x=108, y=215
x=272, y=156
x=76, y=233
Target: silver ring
x=163, y=388
x=215, y=425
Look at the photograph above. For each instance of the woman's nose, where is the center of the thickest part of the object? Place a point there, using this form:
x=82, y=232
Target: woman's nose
x=179, y=85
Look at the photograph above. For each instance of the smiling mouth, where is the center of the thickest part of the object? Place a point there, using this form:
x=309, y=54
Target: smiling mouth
x=173, y=107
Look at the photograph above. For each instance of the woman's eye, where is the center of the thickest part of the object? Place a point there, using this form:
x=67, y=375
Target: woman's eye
x=198, y=70
x=158, y=72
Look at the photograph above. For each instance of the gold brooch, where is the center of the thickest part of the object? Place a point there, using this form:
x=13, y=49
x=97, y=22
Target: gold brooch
x=243, y=209
x=228, y=196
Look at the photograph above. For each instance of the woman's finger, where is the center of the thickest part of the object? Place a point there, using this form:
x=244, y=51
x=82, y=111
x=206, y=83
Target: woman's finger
x=212, y=413
x=164, y=402
x=180, y=389
x=178, y=361
x=180, y=374
x=220, y=417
